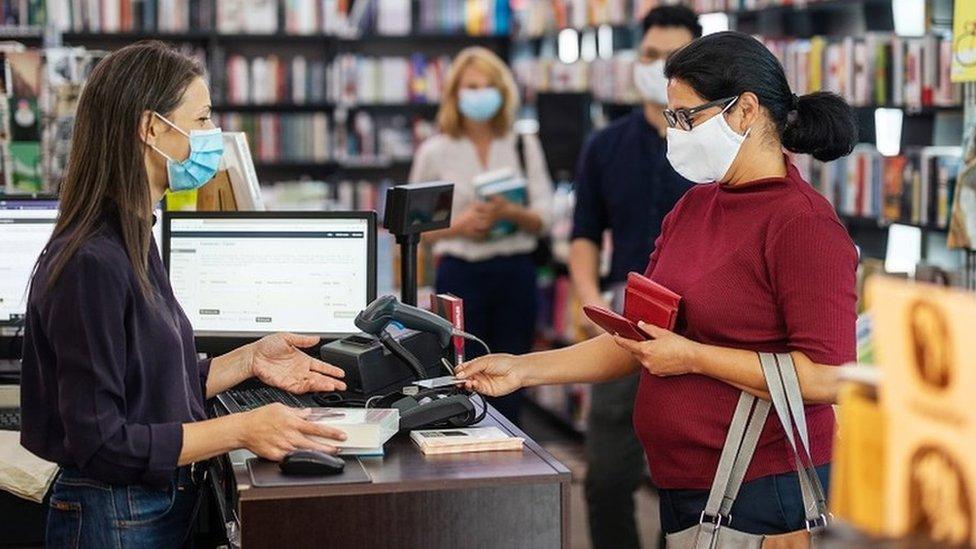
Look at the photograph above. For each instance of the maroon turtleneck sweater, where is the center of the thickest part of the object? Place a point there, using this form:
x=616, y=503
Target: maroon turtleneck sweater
x=764, y=267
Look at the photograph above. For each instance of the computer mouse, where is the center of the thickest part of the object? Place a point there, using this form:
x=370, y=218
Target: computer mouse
x=311, y=462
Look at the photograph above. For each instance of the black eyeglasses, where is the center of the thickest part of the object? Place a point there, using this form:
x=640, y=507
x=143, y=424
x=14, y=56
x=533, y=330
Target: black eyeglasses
x=684, y=118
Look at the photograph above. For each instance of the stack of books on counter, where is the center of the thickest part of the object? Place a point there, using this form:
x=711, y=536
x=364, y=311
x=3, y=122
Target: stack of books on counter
x=472, y=439
x=367, y=429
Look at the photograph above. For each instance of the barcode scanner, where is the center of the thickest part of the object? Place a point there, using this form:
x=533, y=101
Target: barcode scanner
x=377, y=316
x=380, y=313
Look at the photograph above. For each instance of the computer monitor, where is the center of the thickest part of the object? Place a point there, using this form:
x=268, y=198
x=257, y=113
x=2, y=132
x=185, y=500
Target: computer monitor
x=242, y=275
x=26, y=225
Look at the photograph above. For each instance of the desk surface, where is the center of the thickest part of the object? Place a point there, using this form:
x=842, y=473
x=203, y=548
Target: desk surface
x=405, y=468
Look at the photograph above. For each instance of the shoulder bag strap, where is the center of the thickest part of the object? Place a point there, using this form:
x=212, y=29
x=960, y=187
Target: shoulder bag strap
x=740, y=444
x=784, y=390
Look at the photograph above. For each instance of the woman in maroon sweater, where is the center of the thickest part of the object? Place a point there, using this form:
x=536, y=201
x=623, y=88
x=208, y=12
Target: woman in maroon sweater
x=762, y=264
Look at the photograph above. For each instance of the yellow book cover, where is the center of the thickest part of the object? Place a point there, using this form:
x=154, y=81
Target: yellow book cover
x=857, y=483
x=474, y=16
x=181, y=201
x=817, y=45
x=964, y=42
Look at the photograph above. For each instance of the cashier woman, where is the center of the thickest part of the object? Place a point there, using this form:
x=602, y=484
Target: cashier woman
x=762, y=264
x=112, y=390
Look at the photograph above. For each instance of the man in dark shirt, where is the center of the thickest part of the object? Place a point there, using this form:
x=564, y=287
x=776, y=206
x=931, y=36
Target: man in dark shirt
x=625, y=184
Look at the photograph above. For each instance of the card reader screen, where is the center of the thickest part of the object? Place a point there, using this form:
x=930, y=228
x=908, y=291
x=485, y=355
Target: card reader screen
x=261, y=275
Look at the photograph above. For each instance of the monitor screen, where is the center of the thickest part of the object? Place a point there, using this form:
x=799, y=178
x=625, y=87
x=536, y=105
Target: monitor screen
x=243, y=274
x=25, y=227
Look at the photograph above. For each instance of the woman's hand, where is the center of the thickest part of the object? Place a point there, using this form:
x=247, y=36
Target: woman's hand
x=274, y=430
x=492, y=375
x=475, y=221
x=505, y=209
x=278, y=360
x=667, y=354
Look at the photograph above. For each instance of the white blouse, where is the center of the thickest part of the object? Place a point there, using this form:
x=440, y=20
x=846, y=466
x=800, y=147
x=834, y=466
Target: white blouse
x=455, y=160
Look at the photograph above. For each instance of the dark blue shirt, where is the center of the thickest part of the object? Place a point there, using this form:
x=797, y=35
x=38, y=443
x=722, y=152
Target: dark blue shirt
x=109, y=377
x=624, y=183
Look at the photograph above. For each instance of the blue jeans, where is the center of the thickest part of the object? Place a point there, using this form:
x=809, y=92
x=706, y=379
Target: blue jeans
x=85, y=512
x=766, y=505
x=500, y=297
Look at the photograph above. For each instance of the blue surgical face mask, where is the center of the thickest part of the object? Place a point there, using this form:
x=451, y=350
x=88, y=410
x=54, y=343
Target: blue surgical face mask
x=479, y=104
x=206, y=149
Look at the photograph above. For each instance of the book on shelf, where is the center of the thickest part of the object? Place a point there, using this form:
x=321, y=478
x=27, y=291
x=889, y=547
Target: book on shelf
x=133, y=16
x=23, y=13
x=877, y=69
x=539, y=18
x=271, y=80
x=355, y=79
x=470, y=439
x=881, y=69
x=916, y=187
x=474, y=18
x=361, y=139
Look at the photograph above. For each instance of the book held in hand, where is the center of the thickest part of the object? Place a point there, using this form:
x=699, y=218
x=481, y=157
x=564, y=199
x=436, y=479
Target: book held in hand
x=364, y=428
x=472, y=439
x=506, y=184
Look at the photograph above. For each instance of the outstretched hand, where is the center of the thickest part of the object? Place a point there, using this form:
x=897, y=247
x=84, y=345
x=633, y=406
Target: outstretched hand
x=278, y=360
x=492, y=375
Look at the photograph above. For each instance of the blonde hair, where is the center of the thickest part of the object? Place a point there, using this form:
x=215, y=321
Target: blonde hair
x=449, y=117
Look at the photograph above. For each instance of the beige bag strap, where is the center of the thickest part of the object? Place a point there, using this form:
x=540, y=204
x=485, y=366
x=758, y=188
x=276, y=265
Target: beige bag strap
x=740, y=444
x=784, y=390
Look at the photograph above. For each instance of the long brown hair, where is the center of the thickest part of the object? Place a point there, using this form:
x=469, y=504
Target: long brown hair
x=106, y=171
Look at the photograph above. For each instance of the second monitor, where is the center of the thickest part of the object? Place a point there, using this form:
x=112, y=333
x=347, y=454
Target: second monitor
x=247, y=274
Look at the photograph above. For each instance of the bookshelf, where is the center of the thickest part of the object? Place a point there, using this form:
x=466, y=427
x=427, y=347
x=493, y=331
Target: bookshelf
x=322, y=33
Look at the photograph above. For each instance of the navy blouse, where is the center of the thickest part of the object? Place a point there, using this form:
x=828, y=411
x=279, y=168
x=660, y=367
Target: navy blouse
x=109, y=377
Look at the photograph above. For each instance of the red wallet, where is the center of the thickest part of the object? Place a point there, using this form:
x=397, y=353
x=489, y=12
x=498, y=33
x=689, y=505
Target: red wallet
x=648, y=301
x=613, y=323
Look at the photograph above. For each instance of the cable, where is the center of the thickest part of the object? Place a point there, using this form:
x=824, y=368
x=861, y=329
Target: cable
x=484, y=410
x=474, y=338
x=447, y=365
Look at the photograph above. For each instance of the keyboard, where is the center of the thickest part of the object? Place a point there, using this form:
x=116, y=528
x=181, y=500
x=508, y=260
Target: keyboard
x=249, y=398
x=9, y=419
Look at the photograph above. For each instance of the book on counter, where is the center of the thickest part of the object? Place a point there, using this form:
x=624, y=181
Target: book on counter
x=471, y=439
x=367, y=429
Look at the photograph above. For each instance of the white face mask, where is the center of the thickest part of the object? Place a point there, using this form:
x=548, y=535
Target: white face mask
x=650, y=82
x=705, y=153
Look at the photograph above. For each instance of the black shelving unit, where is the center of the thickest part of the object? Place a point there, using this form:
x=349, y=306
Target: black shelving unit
x=315, y=46
x=405, y=108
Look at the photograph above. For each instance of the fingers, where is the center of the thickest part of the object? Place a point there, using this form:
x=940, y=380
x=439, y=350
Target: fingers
x=323, y=431
x=300, y=341
x=326, y=369
x=652, y=330
x=300, y=442
x=628, y=345
x=324, y=384
x=470, y=368
x=301, y=413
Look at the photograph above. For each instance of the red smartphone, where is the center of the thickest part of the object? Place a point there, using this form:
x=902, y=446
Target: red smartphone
x=614, y=323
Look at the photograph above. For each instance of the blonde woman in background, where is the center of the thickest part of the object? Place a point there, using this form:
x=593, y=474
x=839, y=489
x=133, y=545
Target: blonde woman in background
x=493, y=272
